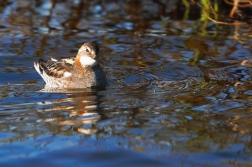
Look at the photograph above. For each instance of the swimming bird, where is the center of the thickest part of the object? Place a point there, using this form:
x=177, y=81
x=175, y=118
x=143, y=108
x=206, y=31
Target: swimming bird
x=81, y=71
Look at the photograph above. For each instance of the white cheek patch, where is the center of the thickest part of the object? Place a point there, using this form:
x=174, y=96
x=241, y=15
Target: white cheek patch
x=87, y=61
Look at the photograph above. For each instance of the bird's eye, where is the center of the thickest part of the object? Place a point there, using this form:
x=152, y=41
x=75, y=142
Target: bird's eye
x=87, y=50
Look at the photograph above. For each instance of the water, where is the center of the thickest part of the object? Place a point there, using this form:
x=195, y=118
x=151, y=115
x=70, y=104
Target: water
x=175, y=97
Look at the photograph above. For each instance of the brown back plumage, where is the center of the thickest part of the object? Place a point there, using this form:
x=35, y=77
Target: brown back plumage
x=55, y=68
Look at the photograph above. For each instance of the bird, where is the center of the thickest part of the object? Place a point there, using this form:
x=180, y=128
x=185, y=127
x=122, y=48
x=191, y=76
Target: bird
x=82, y=71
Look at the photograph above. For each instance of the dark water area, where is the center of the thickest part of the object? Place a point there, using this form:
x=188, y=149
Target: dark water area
x=179, y=89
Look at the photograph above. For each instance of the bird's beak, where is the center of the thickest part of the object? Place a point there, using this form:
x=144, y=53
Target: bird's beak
x=100, y=62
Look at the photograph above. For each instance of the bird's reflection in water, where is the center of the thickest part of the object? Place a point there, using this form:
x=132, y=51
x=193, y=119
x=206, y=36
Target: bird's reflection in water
x=82, y=108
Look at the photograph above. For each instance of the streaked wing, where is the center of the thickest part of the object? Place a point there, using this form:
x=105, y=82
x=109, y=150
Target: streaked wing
x=57, y=69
